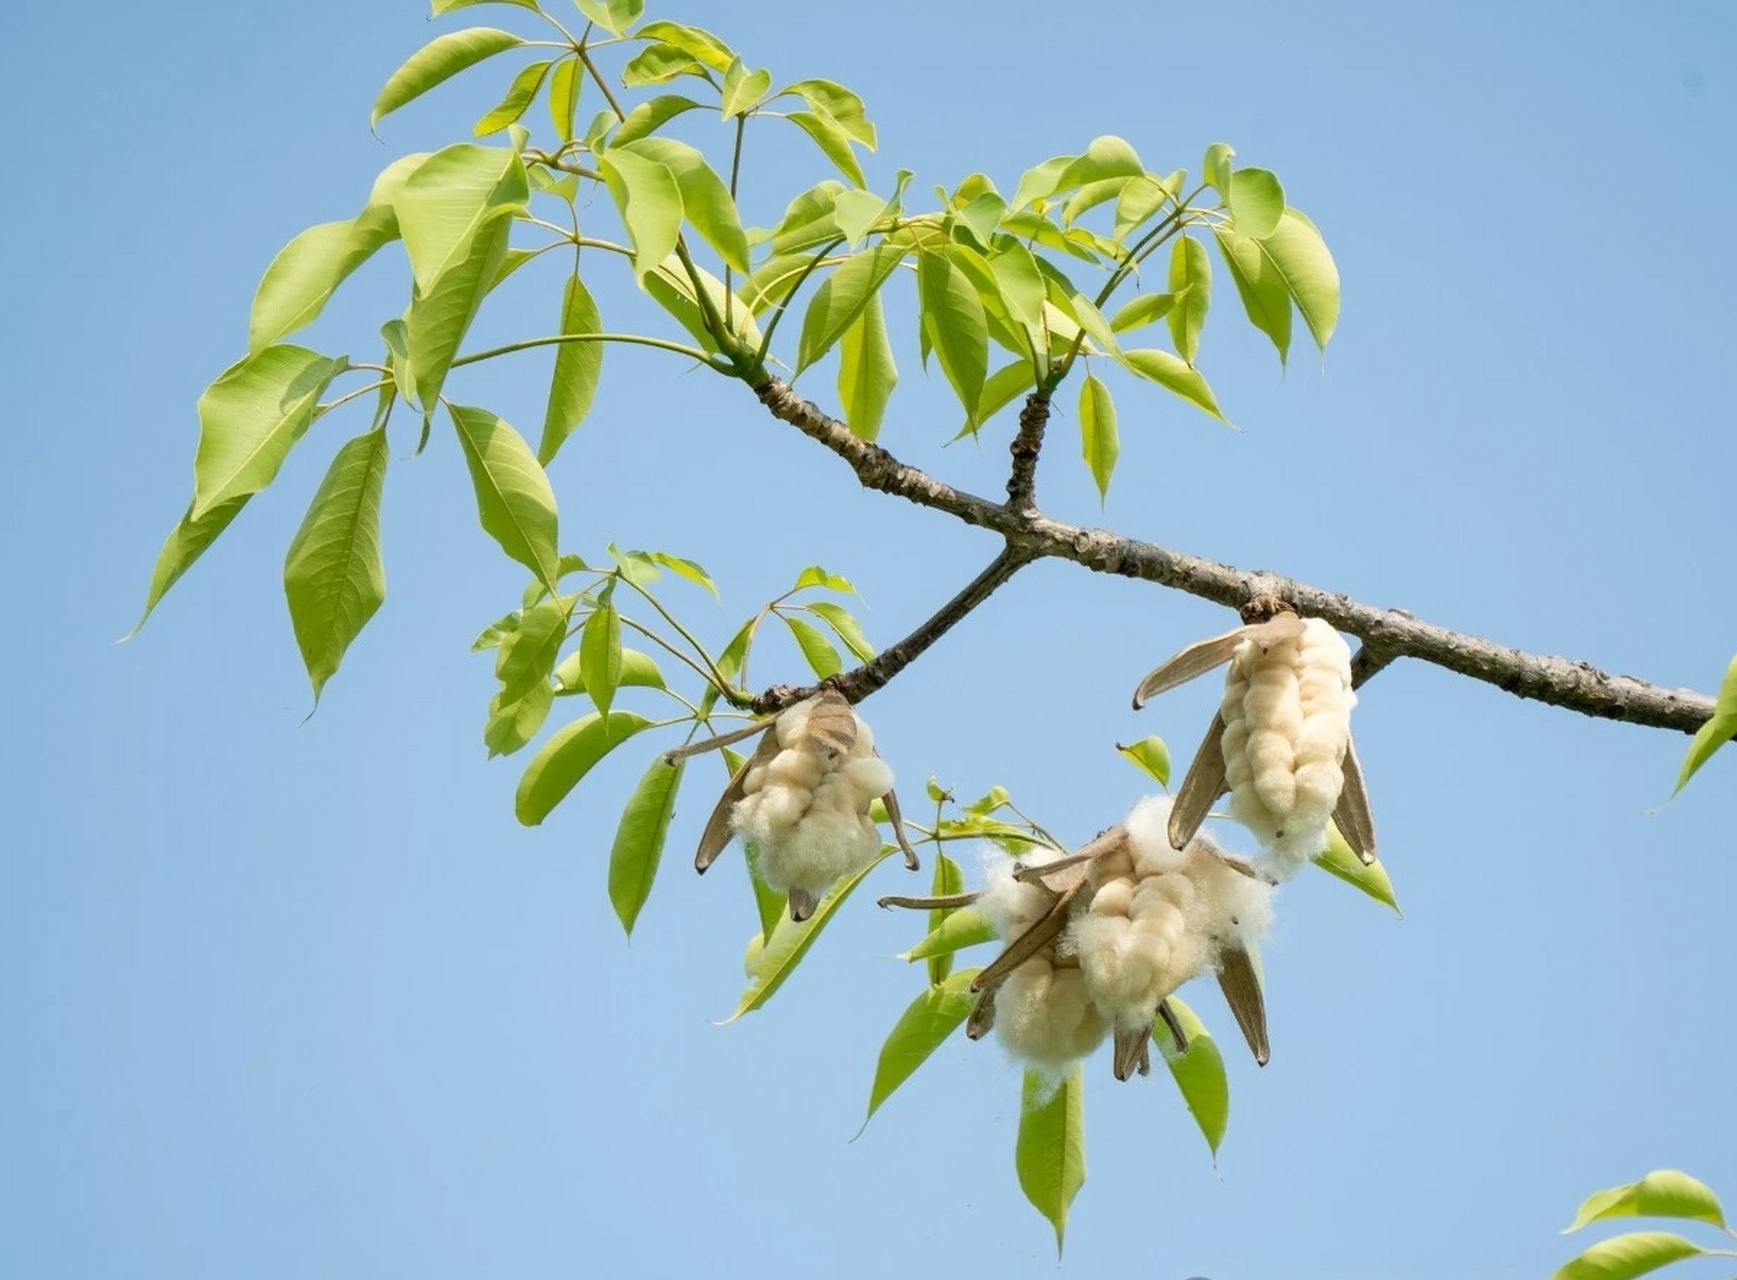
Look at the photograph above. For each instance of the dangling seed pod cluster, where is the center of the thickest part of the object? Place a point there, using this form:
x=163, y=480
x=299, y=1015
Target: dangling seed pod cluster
x=1097, y=941
x=802, y=800
x=1280, y=744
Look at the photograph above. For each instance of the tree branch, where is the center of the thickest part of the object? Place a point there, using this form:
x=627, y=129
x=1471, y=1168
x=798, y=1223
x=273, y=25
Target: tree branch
x=1387, y=633
x=874, y=675
x=1026, y=446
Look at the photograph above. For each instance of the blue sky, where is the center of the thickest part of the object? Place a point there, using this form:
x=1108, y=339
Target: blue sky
x=291, y=999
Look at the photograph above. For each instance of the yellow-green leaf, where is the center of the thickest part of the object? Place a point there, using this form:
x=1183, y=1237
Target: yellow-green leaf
x=821, y=656
x=1151, y=755
x=1296, y=251
x=841, y=298
x=1173, y=374
x=1256, y=201
x=568, y=756
x=778, y=958
x=1717, y=731
x=448, y=200
x=515, y=504
x=1099, y=443
x=1190, y=283
x=649, y=198
x=1624, y=1257
x=1266, y=298
x=639, y=840
x=1050, y=1155
x=439, y=319
x=1663, y=1193
x=866, y=372
x=517, y=98
x=1198, y=1073
x=578, y=366
x=1337, y=859
x=440, y=59
x=185, y=544
x=960, y=928
x=954, y=319
x=921, y=1029
x=600, y=654
x=251, y=416
x=333, y=577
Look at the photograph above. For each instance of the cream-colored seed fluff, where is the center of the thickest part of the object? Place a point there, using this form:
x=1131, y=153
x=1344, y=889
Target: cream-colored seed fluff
x=1044, y=1016
x=806, y=809
x=1287, y=724
x=1158, y=917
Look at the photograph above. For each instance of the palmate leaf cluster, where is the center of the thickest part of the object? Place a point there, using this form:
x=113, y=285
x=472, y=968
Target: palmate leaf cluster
x=574, y=171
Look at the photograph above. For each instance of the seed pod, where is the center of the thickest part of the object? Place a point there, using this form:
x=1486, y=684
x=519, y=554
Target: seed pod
x=803, y=799
x=1280, y=743
x=1157, y=917
x=1043, y=1014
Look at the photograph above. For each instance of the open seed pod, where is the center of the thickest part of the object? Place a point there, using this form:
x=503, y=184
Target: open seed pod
x=802, y=800
x=1280, y=744
x=1097, y=941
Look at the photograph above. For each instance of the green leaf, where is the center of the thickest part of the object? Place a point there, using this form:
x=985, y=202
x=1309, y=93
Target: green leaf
x=251, y=416
x=1190, y=283
x=1256, y=202
x=1215, y=169
x=963, y=927
x=527, y=655
x=650, y=116
x=655, y=64
x=614, y=16
x=821, y=656
x=649, y=198
x=185, y=544
x=564, y=87
x=1151, y=755
x=1050, y=1155
x=815, y=576
x=638, y=670
x=1144, y=309
x=1623, y=1257
x=638, y=847
x=600, y=654
x=518, y=97
x=673, y=290
x=1663, y=1193
x=949, y=879
x=810, y=219
x=1039, y=181
x=841, y=298
x=1337, y=859
x=953, y=317
x=743, y=88
x=856, y=211
x=309, y=269
x=332, y=576
x=693, y=572
x=1001, y=389
x=780, y=956
x=845, y=627
x=1021, y=284
x=1198, y=1073
x=1718, y=730
x=838, y=103
x=1296, y=251
x=1107, y=157
x=921, y=1029
x=440, y=59
x=514, y=501
x=511, y=724
x=705, y=200
x=698, y=44
x=1099, y=443
x=578, y=365
x=1171, y=373
x=866, y=372
x=445, y=204
x=1265, y=295
x=447, y=6
x=439, y=319
x=567, y=757
x=832, y=139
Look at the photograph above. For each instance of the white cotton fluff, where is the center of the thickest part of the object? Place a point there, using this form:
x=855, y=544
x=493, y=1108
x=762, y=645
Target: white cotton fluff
x=1158, y=917
x=1044, y=1016
x=1287, y=724
x=806, y=809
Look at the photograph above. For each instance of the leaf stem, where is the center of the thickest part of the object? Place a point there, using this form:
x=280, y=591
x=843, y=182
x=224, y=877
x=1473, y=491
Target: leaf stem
x=635, y=339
